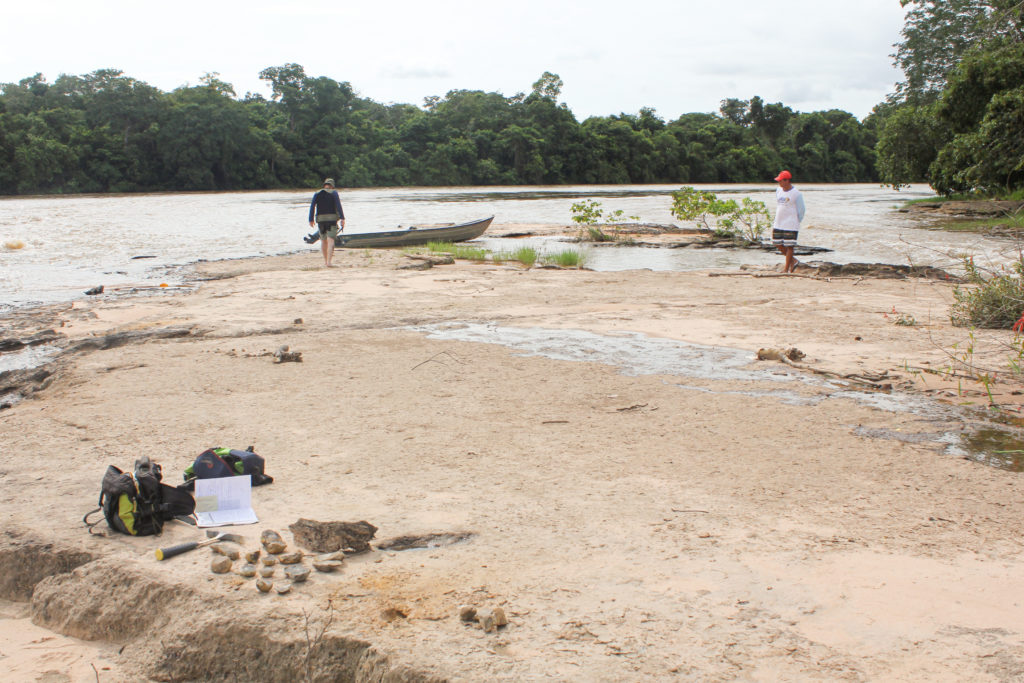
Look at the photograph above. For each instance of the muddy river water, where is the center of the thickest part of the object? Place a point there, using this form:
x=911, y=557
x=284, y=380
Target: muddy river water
x=74, y=243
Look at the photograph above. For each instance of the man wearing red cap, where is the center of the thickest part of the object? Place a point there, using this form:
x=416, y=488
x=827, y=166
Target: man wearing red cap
x=788, y=214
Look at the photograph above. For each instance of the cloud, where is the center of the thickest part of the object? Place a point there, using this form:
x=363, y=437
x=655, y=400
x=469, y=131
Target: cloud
x=402, y=72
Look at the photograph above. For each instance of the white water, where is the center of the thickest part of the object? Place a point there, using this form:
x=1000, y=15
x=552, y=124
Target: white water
x=77, y=242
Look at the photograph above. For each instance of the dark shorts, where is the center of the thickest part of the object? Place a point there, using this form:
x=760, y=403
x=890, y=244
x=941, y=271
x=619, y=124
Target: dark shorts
x=328, y=229
x=784, y=238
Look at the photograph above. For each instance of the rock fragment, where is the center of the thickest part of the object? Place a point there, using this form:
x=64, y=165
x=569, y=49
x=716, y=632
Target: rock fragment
x=327, y=537
x=272, y=542
x=297, y=573
x=283, y=355
x=485, y=617
x=226, y=549
x=267, y=572
x=327, y=566
x=220, y=565
x=467, y=613
x=252, y=556
x=263, y=585
x=247, y=570
x=290, y=558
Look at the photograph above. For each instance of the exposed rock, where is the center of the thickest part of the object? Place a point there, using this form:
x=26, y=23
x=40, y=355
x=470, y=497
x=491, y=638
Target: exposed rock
x=982, y=208
x=793, y=354
x=415, y=265
x=326, y=537
x=879, y=270
x=485, y=617
x=220, y=565
x=290, y=558
x=297, y=573
x=283, y=355
x=435, y=540
x=227, y=550
x=44, y=337
x=327, y=566
x=94, y=291
x=336, y=556
x=272, y=542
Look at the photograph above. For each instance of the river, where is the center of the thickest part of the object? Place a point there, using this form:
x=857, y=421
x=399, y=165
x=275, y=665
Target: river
x=73, y=243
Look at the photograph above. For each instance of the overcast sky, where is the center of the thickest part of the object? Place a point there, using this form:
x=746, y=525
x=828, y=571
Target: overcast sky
x=675, y=56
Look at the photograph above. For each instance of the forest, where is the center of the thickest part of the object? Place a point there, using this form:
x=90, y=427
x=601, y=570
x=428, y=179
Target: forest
x=954, y=123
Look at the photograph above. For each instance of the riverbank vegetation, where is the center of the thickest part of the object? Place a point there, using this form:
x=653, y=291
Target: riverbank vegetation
x=956, y=120
x=108, y=132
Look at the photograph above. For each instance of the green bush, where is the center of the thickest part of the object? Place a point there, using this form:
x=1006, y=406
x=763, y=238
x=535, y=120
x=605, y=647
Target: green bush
x=745, y=221
x=992, y=302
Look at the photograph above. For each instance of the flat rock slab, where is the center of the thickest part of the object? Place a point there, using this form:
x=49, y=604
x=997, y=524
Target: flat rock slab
x=327, y=537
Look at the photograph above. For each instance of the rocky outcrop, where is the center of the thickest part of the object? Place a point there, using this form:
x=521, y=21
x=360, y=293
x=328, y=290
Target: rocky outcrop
x=968, y=209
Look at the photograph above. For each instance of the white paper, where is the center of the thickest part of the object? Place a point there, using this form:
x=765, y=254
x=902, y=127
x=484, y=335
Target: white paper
x=224, y=501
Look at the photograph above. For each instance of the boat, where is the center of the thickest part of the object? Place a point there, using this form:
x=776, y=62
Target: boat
x=407, y=237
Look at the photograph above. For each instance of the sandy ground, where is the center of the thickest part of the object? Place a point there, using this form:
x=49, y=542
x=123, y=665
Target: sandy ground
x=639, y=515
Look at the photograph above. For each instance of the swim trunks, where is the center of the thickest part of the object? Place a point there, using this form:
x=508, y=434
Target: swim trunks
x=785, y=238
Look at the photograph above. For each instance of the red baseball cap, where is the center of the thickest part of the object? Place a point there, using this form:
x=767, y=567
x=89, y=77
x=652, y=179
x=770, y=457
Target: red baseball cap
x=785, y=175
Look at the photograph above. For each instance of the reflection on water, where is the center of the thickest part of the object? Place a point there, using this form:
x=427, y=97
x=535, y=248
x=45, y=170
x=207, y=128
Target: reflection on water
x=608, y=258
x=74, y=243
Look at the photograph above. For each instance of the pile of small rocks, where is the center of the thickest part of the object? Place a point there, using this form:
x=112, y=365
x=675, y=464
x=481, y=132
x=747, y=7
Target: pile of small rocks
x=263, y=562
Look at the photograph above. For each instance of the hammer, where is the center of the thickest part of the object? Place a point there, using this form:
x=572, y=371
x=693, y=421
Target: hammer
x=167, y=553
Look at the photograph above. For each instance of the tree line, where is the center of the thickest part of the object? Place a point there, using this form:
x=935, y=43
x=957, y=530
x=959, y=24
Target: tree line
x=108, y=132
x=957, y=120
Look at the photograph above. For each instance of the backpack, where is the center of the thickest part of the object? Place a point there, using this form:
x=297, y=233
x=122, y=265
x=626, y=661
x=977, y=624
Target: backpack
x=214, y=463
x=138, y=503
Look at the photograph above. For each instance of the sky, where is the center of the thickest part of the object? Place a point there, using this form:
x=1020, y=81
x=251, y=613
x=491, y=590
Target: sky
x=674, y=56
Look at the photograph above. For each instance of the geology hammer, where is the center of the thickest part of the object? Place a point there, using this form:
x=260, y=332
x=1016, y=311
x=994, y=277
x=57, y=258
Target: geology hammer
x=167, y=553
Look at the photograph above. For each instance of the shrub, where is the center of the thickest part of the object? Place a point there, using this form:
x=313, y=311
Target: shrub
x=992, y=302
x=745, y=221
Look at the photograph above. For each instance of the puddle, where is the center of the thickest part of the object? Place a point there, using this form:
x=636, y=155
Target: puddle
x=992, y=446
x=608, y=258
x=637, y=354
x=633, y=353
x=28, y=357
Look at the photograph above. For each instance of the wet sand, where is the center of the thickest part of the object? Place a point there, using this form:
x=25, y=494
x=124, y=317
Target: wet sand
x=634, y=521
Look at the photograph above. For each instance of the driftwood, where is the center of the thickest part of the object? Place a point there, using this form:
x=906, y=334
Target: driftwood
x=790, y=356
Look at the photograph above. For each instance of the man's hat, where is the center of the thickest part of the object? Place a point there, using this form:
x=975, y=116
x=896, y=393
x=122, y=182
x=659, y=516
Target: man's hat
x=785, y=175
x=330, y=181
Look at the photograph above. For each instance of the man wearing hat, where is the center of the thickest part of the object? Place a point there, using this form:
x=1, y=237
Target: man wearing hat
x=325, y=210
x=788, y=214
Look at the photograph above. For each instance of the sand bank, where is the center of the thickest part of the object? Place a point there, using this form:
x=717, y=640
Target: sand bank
x=641, y=497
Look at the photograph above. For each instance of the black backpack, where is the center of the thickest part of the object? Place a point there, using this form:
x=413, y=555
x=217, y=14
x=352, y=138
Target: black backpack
x=214, y=463
x=138, y=503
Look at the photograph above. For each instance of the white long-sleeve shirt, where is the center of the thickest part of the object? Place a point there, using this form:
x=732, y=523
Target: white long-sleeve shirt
x=789, y=209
